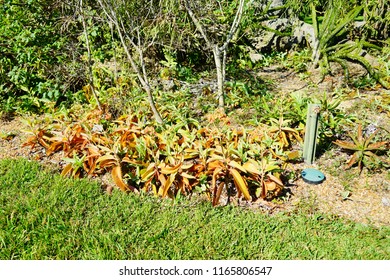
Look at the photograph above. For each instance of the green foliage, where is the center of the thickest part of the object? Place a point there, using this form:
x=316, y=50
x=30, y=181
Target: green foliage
x=332, y=119
x=30, y=47
x=377, y=17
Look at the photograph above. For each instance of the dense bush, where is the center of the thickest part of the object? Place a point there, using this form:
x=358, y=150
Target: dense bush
x=29, y=48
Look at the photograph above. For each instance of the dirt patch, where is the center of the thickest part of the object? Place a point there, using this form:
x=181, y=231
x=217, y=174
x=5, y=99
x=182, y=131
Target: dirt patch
x=365, y=199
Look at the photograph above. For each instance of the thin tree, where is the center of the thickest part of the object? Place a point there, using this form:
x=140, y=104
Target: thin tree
x=132, y=27
x=90, y=72
x=219, y=49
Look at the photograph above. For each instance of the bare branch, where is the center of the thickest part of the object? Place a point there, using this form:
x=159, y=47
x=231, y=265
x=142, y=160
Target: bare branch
x=235, y=24
x=85, y=28
x=197, y=23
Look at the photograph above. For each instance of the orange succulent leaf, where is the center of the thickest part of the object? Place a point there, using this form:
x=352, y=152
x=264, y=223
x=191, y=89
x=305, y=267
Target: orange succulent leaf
x=360, y=133
x=126, y=159
x=118, y=179
x=165, y=187
x=376, y=146
x=31, y=141
x=270, y=185
x=107, y=161
x=197, y=168
x=162, y=179
x=148, y=173
x=240, y=183
x=215, y=164
x=187, y=166
x=275, y=179
x=186, y=175
x=217, y=193
x=43, y=143
x=54, y=147
x=166, y=169
x=346, y=145
x=352, y=160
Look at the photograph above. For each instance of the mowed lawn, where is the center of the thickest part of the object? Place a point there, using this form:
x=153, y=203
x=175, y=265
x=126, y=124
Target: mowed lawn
x=45, y=216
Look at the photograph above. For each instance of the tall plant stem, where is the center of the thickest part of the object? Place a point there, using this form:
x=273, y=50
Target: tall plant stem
x=91, y=82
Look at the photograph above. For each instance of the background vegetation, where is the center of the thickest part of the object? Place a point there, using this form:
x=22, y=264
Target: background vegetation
x=53, y=52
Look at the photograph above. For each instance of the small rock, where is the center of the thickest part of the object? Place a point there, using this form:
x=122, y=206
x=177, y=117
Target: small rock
x=97, y=128
x=385, y=201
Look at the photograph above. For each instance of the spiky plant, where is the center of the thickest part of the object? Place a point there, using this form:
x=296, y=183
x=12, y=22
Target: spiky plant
x=363, y=148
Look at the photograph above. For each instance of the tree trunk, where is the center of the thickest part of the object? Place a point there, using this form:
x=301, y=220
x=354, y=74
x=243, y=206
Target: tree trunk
x=91, y=82
x=219, y=65
x=152, y=104
x=139, y=70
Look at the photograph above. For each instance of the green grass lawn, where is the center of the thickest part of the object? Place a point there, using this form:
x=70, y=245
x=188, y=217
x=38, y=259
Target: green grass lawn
x=45, y=216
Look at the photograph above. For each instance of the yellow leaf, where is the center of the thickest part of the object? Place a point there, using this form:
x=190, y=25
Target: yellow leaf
x=293, y=155
x=168, y=184
x=186, y=175
x=215, y=164
x=252, y=167
x=240, y=183
x=147, y=173
x=187, y=166
x=270, y=186
x=284, y=139
x=169, y=169
x=275, y=179
x=107, y=161
x=236, y=165
x=68, y=168
x=215, y=157
x=54, y=147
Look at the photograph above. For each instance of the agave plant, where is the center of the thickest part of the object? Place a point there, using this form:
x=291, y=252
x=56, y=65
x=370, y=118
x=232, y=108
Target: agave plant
x=363, y=148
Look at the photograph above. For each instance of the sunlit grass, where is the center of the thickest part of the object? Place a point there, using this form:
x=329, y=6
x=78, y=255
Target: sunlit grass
x=44, y=216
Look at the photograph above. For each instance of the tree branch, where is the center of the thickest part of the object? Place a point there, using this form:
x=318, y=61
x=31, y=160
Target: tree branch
x=197, y=23
x=235, y=25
